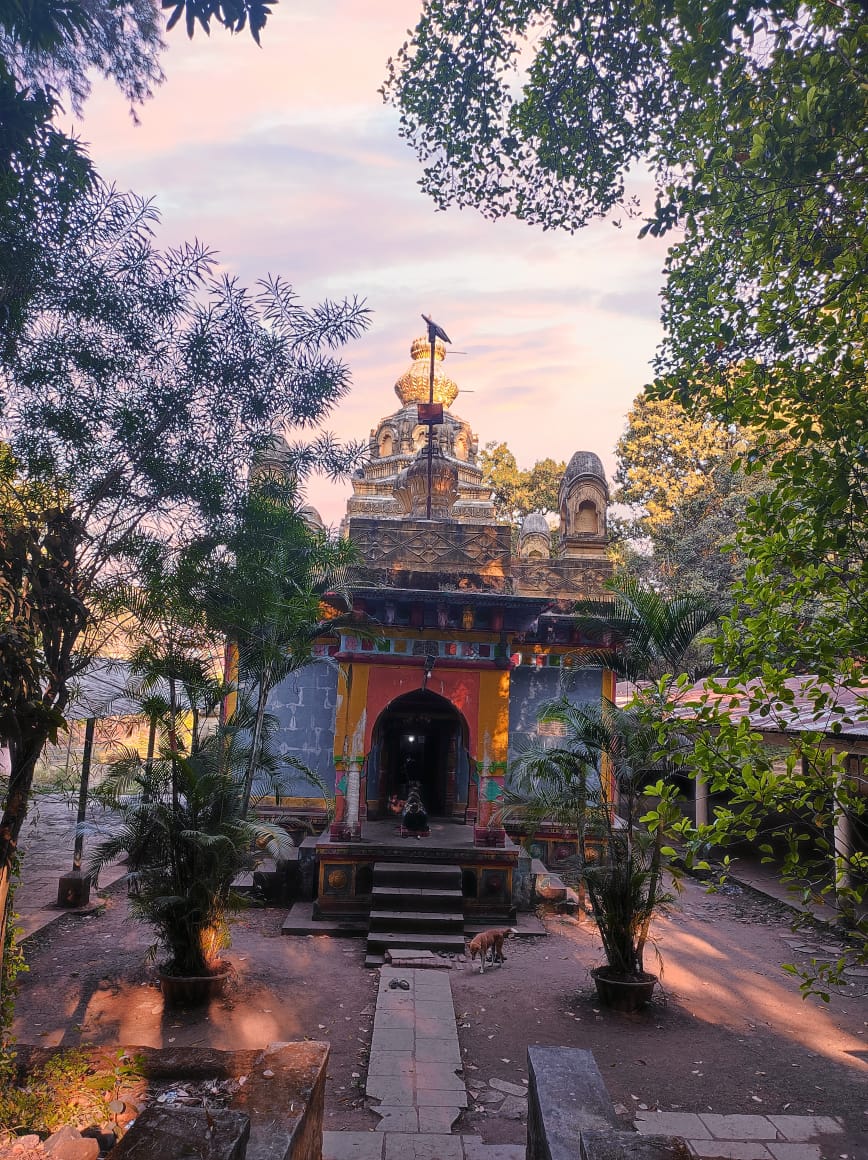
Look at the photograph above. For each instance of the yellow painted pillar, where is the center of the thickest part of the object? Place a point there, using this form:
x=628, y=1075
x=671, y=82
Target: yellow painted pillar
x=609, y=692
x=493, y=740
x=349, y=750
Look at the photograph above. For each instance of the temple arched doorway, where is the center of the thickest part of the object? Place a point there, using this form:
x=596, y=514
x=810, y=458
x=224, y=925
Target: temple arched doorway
x=419, y=737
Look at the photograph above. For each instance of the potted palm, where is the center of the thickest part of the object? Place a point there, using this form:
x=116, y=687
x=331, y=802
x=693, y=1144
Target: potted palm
x=608, y=779
x=181, y=815
x=594, y=784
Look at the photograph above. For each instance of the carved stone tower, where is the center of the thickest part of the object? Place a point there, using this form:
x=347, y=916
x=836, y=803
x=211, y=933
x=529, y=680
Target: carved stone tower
x=388, y=486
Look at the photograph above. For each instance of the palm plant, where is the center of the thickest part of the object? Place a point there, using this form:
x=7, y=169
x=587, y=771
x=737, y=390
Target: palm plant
x=266, y=595
x=596, y=779
x=591, y=781
x=182, y=817
x=651, y=636
x=182, y=821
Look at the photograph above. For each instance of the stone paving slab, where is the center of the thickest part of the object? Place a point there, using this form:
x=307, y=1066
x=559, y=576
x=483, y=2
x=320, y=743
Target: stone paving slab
x=437, y=1075
x=401, y=1019
x=433, y=1119
x=474, y=1149
x=712, y=1136
x=436, y=1051
x=798, y=1128
x=795, y=1151
x=396, y=1090
x=685, y=1124
x=432, y=1098
x=352, y=1146
x=425, y=1147
x=739, y=1127
x=397, y=1119
x=392, y=1063
x=392, y=1039
x=729, y=1150
x=415, y=1055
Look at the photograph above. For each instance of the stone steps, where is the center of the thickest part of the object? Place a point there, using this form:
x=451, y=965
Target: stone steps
x=410, y=875
x=416, y=907
x=435, y=921
x=418, y=897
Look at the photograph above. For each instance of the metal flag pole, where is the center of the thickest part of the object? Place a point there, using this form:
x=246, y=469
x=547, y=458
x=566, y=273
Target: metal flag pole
x=434, y=332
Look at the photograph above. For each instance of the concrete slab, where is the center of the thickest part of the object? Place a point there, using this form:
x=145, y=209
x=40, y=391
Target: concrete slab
x=729, y=1150
x=800, y=1128
x=392, y=1063
x=508, y=1089
x=513, y=1108
x=423, y=1147
x=400, y=1017
x=300, y=921
x=790, y=1151
x=352, y=1146
x=438, y=1120
x=432, y=1098
x=437, y=1075
x=395, y=1001
x=426, y=993
x=426, y=1027
x=394, y=1119
x=739, y=1127
x=686, y=1124
x=474, y=1149
x=396, y=1090
x=440, y=1010
x=437, y=1050
x=392, y=1039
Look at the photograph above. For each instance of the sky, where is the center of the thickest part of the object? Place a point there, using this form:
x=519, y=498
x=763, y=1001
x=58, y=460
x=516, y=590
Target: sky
x=285, y=160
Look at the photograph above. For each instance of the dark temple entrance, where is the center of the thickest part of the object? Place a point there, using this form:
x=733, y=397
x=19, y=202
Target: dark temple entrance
x=420, y=737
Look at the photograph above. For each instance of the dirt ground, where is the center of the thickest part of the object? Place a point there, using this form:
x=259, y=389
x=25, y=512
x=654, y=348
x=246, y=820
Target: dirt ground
x=729, y=1031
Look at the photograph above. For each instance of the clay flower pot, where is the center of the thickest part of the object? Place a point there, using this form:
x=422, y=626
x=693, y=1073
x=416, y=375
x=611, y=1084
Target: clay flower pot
x=194, y=990
x=623, y=993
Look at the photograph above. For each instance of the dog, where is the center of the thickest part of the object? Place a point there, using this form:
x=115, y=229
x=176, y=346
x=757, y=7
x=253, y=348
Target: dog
x=490, y=940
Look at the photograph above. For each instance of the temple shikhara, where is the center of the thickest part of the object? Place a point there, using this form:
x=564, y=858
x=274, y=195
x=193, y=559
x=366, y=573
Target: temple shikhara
x=467, y=633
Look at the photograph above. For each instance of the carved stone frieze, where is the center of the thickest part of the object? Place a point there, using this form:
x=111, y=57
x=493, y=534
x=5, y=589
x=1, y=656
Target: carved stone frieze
x=561, y=579
x=417, y=545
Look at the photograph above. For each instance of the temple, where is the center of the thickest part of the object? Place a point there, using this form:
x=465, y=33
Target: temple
x=466, y=633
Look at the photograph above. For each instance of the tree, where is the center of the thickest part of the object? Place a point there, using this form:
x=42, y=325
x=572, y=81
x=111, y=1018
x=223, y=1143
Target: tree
x=594, y=780
x=52, y=45
x=603, y=762
x=182, y=819
x=651, y=637
x=519, y=492
x=666, y=457
x=264, y=593
x=137, y=396
x=49, y=49
x=752, y=120
x=680, y=477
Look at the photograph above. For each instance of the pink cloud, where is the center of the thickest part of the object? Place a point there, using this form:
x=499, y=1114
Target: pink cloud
x=285, y=159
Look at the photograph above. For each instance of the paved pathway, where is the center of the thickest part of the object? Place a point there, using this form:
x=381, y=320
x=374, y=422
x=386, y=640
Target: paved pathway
x=718, y=1137
x=412, y=1071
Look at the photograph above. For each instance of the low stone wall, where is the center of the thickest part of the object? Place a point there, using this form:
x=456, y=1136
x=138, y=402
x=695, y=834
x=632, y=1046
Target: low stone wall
x=285, y=1099
x=277, y=1114
x=570, y=1115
